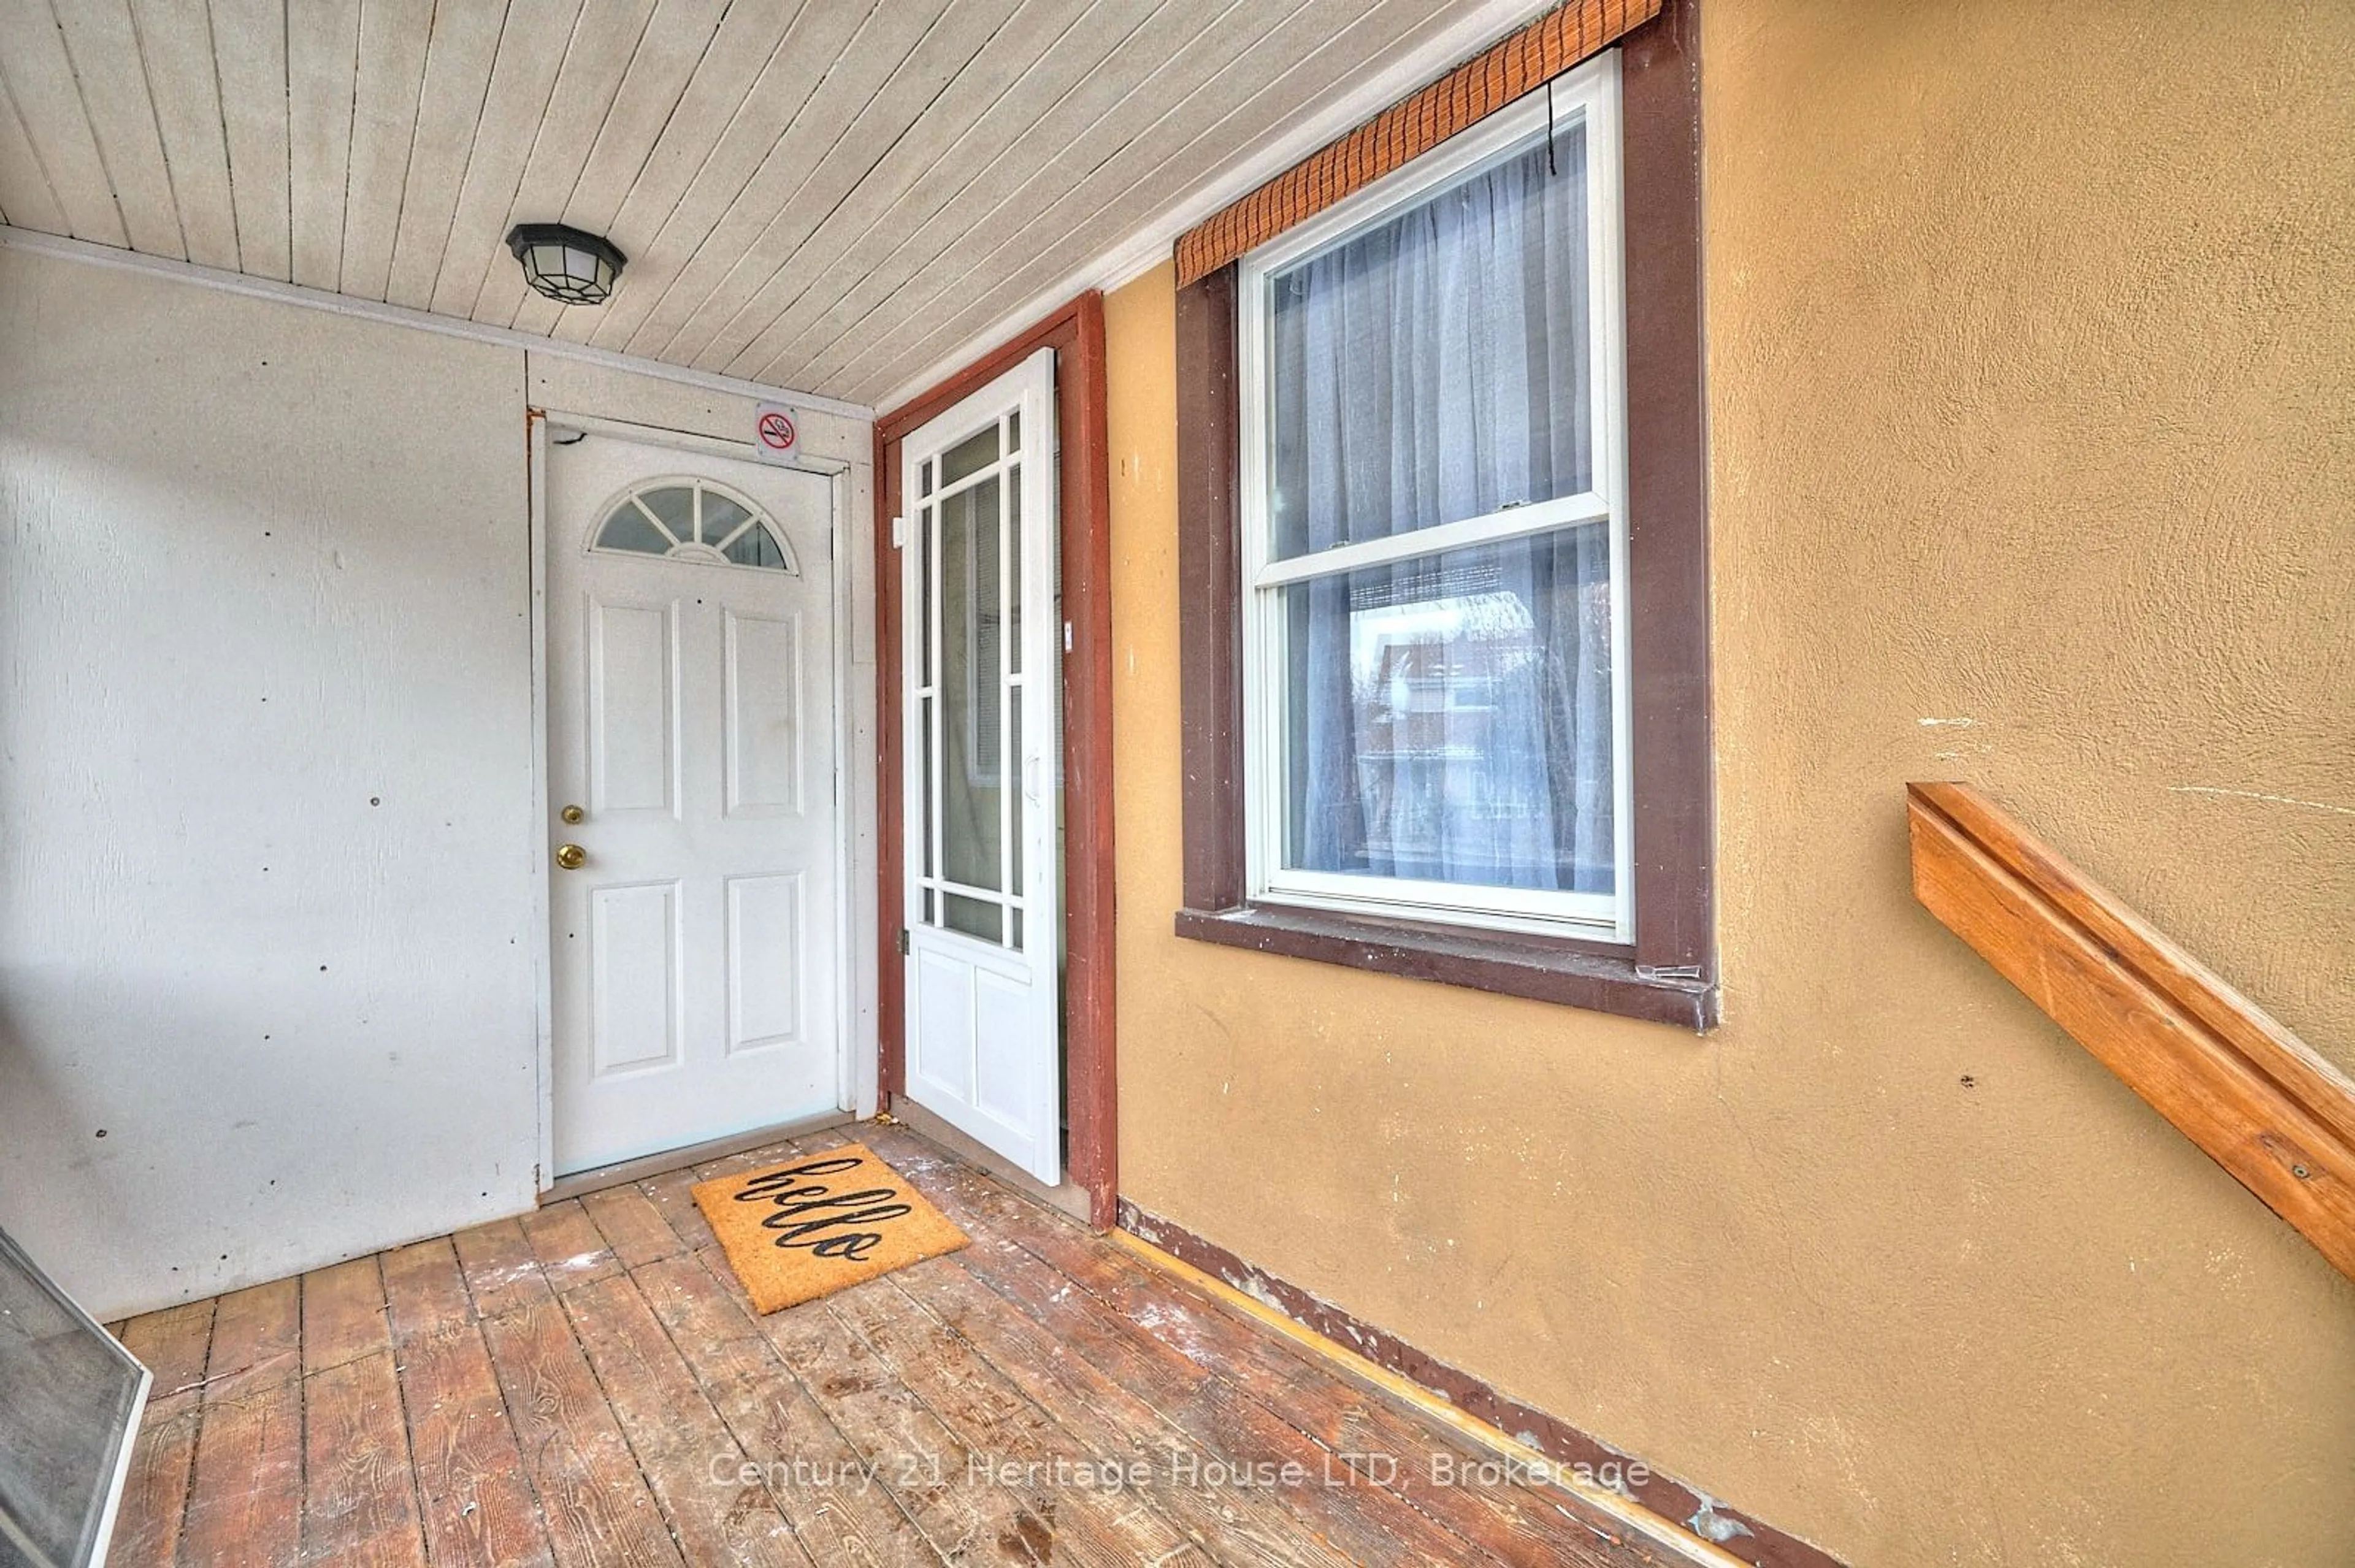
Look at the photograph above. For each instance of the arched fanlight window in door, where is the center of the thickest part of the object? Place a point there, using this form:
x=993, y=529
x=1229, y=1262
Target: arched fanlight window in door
x=694, y=520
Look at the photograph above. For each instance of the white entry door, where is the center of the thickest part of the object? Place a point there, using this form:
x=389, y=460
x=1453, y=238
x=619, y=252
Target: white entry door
x=979, y=699
x=692, y=810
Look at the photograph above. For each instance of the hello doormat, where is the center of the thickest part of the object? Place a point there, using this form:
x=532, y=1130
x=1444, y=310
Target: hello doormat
x=805, y=1229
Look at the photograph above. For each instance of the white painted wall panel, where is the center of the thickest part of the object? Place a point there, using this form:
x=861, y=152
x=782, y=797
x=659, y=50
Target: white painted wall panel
x=269, y=908
x=266, y=817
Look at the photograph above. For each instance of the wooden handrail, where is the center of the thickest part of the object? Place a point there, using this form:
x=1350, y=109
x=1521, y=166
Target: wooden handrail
x=2251, y=1094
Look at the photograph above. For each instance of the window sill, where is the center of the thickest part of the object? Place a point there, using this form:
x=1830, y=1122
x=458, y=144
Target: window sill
x=1593, y=975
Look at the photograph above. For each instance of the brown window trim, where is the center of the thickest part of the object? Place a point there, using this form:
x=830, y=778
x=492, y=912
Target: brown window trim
x=1668, y=973
x=1091, y=1087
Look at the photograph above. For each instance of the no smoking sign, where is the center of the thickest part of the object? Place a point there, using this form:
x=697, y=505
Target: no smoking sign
x=776, y=436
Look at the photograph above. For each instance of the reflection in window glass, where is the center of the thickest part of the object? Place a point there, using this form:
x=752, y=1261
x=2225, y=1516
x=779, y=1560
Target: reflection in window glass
x=721, y=517
x=753, y=547
x=1448, y=718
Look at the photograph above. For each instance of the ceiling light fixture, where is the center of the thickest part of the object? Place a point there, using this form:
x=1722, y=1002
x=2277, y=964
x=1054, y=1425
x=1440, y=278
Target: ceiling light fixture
x=568, y=266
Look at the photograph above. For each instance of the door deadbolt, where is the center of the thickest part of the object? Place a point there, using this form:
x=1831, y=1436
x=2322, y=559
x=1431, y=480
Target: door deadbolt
x=572, y=814
x=571, y=856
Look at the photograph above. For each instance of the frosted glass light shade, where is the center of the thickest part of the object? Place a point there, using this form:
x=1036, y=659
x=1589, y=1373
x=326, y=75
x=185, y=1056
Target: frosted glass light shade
x=566, y=264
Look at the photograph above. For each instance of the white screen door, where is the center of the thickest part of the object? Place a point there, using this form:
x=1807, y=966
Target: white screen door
x=979, y=695
x=691, y=726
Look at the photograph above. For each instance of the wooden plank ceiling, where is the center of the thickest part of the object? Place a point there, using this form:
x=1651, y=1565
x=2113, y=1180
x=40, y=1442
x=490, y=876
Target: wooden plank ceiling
x=829, y=194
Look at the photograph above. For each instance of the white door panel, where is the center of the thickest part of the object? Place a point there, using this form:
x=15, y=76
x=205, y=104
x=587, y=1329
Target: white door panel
x=633, y=710
x=981, y=671
x=763, y=714
x=633, y=990
x=690, y=719
x=764, y=946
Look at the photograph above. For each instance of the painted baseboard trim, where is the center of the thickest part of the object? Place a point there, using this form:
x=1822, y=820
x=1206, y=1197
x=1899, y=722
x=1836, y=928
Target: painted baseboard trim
x=63, y=248
x=581, y=1183
x=1664, y=1511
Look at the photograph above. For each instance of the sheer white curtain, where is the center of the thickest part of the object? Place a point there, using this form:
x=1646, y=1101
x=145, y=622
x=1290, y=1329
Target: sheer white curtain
x=1448, y=716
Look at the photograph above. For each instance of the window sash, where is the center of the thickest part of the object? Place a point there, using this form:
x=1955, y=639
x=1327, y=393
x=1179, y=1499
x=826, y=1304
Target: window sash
x=1512, y=523
x=1590, y=94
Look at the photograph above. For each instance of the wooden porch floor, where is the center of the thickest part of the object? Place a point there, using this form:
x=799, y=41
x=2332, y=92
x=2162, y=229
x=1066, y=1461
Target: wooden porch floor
x=589, y=1385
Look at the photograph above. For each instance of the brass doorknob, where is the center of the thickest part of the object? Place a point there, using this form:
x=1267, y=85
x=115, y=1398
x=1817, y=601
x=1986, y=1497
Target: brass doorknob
x=571, y=856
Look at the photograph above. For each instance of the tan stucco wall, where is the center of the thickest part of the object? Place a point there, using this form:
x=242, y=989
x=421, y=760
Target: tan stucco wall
x=2033, y=386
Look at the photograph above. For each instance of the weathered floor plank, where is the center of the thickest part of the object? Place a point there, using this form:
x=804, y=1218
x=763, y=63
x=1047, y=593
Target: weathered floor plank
x=589, y=1385
x=1341, y=1415
x=996, y=1421
x=919, y=1458
x=803, y=1459
x=1070, y=1371
x=1221, y=1428
x=477, y=1507
x=668, y=1196
x=359, y=1494
x=343, y=1315
x=597, y=1504
x=173, y=1344
x=631, y=1226
x=245, y=1498
x=566, y=1242
x=1076, y=1379
x=501, y=1272
x=686, y=1454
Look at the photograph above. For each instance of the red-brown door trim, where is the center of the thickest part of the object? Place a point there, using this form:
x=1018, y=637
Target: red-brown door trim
x=1091, y=1087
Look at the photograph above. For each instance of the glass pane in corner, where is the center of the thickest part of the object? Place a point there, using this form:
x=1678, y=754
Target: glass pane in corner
x=721, y=517
x=971, y=455
x=628, y=529
x=674, y=505
x=755, y=547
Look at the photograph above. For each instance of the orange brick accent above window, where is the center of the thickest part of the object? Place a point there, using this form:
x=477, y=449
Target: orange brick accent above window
x=1410, y=128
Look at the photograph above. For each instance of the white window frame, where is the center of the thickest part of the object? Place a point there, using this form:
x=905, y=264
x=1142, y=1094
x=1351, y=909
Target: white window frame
x=925, y=512
x=1587, y=97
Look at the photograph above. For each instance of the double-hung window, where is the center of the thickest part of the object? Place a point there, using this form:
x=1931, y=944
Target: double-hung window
x=1434, y=535
x=1443, y=545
